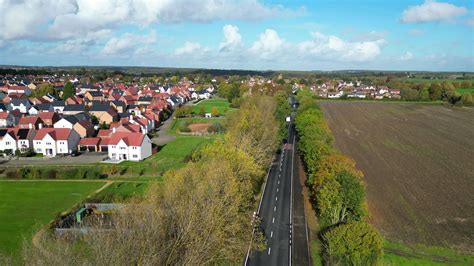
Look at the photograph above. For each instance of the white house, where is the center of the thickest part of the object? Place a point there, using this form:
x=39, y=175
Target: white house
x=23, y=105
x=7, y=141
x=66, y=122
x=335, y=95
x=53, y=141
x=6, y=119
x=129, y=146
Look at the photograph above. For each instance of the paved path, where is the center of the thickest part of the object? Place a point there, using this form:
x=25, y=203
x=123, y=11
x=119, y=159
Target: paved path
x=84, y=158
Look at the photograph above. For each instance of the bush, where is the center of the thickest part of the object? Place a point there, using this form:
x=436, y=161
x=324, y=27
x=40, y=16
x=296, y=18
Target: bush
x=356, y=243
x=216, y=127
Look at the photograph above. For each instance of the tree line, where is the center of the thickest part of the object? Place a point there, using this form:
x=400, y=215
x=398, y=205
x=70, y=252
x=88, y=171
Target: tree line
x=337, y=192
x=200, y=214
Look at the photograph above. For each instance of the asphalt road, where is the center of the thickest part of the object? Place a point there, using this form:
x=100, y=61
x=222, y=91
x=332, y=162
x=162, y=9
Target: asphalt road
x=276, y=213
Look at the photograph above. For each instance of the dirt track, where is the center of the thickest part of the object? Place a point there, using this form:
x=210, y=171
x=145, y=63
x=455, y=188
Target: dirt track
x=418, y=162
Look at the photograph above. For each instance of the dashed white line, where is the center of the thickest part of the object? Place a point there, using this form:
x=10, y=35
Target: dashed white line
x=271, y=234
x=276, y=198
x=273, y=220
x=277, y=189
x=278, y=182
x=269, y=251
x=275, y=208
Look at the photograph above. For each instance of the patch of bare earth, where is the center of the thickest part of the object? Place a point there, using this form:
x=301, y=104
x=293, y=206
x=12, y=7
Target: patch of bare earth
x=418, y=162
x=199, y=127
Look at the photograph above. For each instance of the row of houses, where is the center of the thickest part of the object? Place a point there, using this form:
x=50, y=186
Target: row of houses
x=336, y=90
x=102, y=117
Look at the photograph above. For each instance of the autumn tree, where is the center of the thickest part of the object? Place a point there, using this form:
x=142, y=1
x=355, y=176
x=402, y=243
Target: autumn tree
x=43, y=89
x=215, y=112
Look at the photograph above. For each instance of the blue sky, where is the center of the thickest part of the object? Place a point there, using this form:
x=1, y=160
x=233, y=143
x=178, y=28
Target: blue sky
x=245, y=34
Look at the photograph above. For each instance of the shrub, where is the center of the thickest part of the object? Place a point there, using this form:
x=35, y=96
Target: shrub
x=356, y=243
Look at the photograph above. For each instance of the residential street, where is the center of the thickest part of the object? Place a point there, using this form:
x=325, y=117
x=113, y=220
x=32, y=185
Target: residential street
x=277, y=214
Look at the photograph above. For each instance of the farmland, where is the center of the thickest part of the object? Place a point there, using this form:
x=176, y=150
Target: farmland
x=27, y=205
x=417, y=161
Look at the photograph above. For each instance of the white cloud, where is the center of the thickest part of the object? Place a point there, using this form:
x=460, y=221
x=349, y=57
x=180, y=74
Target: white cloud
x=407, y=56
x=61, y=19
x=127, y=44
x=334, y=48
x=415, y=32
x=268, y=44
x=232, y=37
x=189, y=48
x=431, y=11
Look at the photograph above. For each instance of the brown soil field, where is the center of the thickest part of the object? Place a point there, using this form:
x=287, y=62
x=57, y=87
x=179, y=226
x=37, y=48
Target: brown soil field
x=418, y=162
x=199, y=127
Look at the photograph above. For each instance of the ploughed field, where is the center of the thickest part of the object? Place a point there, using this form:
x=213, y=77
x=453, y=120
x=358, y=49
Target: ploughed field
x=418, y=162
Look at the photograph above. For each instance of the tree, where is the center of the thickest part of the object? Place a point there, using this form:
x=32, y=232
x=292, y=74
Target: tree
x=409, y=94
x=466, y=99
x=202, y=111
x=68, y=90
x=43, y=89
x=435, y=91
x=353, y=197
x=356, y=243
x=215, y=112
x=466, y=84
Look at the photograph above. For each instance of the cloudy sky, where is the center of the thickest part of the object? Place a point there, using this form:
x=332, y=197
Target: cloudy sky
x=244, y=34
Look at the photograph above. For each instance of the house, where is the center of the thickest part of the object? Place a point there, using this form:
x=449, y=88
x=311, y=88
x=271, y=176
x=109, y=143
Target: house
x=43, y=107
x=84, y=128
x=49, y=118
x=335, y=95
x=120, y=106
x=72, y=109
x=58, y=106
x=89, y=144
x=7, y=141
x=129, y=146
x=23, y=138
x=6, y=119
x=103, y=112
x=66, y=122
x=53, y=141
x=23, y=105
x=19, y=90
x=94, y=96
x=3, y=108
x=30, y=122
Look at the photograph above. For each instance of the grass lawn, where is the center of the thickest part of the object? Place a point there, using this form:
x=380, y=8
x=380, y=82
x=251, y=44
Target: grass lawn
x=121, y=191
x=172, y=155
x=25, y=206
x=221, y=104
x=465, y=90
x=399, y=254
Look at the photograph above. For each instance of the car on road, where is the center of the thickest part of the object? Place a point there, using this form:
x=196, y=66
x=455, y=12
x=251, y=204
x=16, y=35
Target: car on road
x=75, y=153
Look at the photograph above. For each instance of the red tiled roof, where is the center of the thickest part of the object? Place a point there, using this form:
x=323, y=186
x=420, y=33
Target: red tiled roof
x=104, y=133
x=55, y=133
x=28, y=120
x=46, y=115
x=131, y=139
x=4, y=115
x=89, y=141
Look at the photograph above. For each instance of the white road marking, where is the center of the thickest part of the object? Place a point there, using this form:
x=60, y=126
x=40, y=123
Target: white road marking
x=271, y=234
x=273, y=220
x=277, y=189
x=276, y=198
x=269, y=251
x=275, y=208
x=278, y=182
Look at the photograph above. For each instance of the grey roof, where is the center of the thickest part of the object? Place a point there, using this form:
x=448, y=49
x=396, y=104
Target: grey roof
x=74, y=108
x=58, y=103
x=71, y=119
x=43, y=106
x=100, y=107
x=17, y=102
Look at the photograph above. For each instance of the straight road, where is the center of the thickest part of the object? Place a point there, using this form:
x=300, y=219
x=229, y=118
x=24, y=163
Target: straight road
x=276, y=213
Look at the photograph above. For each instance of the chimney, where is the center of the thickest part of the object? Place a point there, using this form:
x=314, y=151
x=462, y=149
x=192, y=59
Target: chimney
x=30, y=126
x=40, y=125
x=114, y=129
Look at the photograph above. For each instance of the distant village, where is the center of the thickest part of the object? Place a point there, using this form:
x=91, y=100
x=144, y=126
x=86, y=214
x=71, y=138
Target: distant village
x=107, y=116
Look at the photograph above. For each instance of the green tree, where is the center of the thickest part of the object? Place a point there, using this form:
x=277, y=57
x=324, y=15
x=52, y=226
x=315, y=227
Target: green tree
x=43, y=89
x=356, y=243
x=202, y=111
x=466, y=84
x=68, y=90
x=353, y=197
x=435, y=91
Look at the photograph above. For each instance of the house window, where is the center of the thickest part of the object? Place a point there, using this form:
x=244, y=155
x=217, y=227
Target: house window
x=38, y=150
x=38, y=142
x=134, y=148
x=48, y=143
x=135, y=156
x=122, y=148
x=61, y=142
x=8, y=143
x=113, y=147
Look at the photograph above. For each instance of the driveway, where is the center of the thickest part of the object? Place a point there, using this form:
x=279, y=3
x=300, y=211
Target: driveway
x=84, y=158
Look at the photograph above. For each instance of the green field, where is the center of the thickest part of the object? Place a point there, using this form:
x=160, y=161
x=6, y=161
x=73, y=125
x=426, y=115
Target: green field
x=172, y=155
x=120, y=192
x=465, y=90
x=27, y=205
x=399, y=254
x=222, y=105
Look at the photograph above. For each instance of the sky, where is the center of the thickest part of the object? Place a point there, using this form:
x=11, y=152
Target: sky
x=247, y=34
